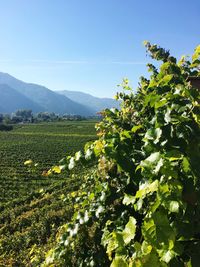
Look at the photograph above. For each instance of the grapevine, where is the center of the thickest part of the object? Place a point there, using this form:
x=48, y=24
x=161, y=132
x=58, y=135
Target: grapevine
x=139, y=204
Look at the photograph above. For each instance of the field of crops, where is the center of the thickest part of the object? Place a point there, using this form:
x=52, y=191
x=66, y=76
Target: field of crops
x=32, y=205
x=45, y=144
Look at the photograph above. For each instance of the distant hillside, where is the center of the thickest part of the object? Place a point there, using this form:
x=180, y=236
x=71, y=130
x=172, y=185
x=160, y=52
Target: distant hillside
x=11, y=100
x=95, y=103
x=16, y=94
x=44, y=99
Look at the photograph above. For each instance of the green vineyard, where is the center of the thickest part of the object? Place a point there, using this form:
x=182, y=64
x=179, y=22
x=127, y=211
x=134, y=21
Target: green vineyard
x=45, y=144
x=126, y=197
x=31, y=204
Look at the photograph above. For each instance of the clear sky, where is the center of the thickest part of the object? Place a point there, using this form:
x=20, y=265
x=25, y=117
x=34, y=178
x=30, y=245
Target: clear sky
x=90, y=45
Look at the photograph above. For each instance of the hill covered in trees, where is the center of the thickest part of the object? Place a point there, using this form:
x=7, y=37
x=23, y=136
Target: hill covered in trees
x=12, y=100
x=94, y=103
x=16, y=94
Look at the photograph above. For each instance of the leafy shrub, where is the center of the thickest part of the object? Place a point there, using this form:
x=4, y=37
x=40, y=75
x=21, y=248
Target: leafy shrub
x=140, y=206
x=4, y=127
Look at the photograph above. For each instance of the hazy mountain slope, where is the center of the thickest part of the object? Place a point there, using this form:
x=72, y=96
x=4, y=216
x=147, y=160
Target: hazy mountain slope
x=49, y=101
x=11, y=100
x=95, y=103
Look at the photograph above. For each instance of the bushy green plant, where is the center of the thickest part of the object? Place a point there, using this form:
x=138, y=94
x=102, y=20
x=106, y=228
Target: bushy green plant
x=140, y=204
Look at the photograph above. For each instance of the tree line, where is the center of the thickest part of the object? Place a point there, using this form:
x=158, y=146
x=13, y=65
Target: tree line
x=27, y=116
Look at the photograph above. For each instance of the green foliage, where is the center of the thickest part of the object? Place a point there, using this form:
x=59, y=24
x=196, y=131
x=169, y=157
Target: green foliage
x=4, y=127
x=31, y=223
x=44, y=143
x=33, y=206
x=25, y=114
x=140, y=207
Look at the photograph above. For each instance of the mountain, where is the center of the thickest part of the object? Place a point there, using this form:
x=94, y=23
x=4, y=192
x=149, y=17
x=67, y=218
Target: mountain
x=43, y=98
x=16, y=94
x=11, y=100
x=95, y=103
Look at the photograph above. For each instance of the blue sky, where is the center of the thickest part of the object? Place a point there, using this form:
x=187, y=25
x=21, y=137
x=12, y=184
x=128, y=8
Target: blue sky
x=90, y=45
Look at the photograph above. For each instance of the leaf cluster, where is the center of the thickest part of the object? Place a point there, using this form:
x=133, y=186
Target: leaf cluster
x=140, y=204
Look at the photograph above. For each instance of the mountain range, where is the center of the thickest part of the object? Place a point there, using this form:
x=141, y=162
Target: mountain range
x=16, y=94
x=94, y=103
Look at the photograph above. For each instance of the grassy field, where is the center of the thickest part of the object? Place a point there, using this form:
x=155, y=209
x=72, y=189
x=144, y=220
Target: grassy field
x=32, y=205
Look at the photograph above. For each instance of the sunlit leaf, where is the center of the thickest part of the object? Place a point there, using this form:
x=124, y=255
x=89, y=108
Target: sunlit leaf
x=119, y=262
x=129, y=230
x=56, y=169
x=28, y=162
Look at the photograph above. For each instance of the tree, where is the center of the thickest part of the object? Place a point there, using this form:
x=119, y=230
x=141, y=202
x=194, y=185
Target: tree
x=25, y=114
x=140, y=204
x=47, y=116
x=1, y=118
x=6, y=119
